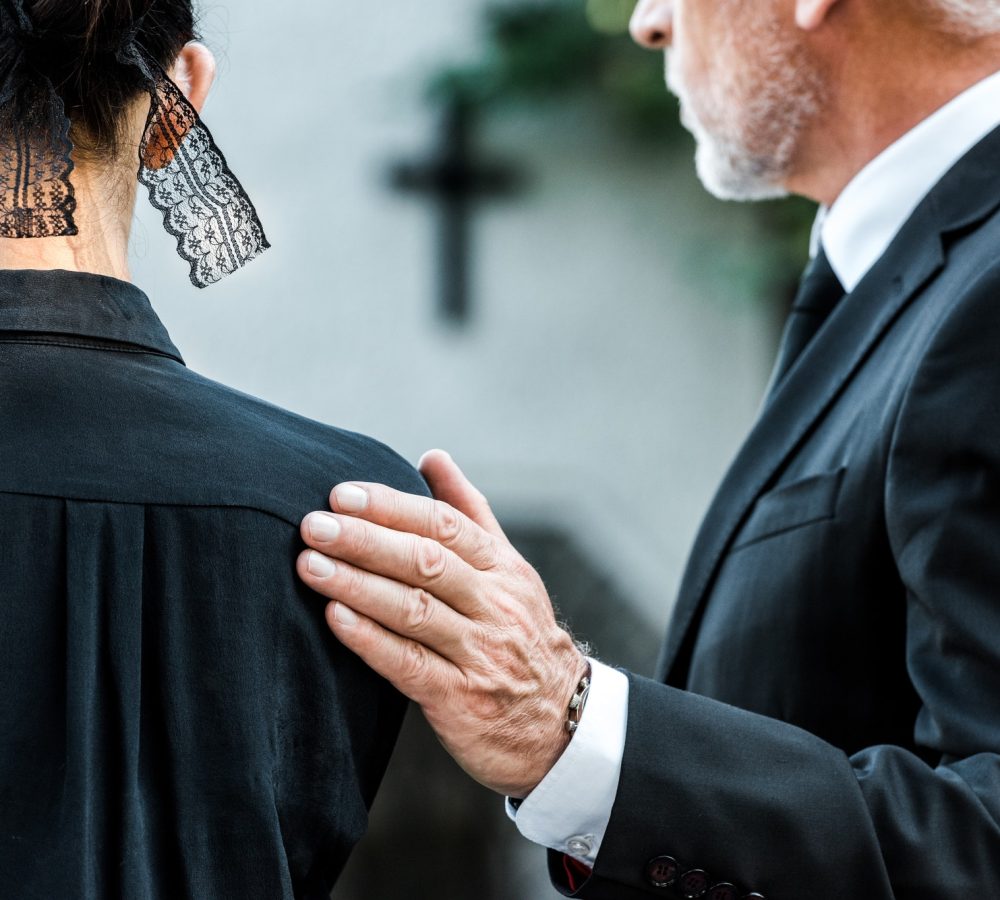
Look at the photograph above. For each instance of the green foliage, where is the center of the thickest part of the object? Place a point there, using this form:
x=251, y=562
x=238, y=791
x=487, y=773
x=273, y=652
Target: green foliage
x=610, y=16
x=541, y=50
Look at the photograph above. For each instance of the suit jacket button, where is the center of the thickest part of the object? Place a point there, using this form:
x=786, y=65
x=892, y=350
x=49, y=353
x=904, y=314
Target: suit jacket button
x=662, y=871
x=723, y=891
x=694, y=884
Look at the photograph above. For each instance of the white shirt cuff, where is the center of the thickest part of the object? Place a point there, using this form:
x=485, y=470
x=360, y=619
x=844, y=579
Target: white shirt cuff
x=570, y=809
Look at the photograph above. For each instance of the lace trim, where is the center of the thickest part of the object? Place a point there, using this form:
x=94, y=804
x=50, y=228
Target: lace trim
x=204, y=206
x=36, y=194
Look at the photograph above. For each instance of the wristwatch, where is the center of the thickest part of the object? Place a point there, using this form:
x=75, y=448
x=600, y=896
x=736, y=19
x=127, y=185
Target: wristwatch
x=578, y=702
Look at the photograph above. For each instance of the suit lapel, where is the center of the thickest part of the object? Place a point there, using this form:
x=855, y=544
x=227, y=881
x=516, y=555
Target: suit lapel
x=966, y=195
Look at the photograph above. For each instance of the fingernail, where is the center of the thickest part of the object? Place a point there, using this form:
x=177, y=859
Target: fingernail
x=443, y=453
x=345, y=615
x=351, y=498
x=320, y=566
x=323, y=527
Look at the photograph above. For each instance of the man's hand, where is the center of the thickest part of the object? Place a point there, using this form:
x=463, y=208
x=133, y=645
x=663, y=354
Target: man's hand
x=431, y=594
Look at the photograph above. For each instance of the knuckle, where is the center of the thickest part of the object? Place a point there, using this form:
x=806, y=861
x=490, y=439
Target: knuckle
x=430, y=560
x=390, y=500
x=447, y=524
x=418, y=611
x=359, y=538
x=352, y=581
x=523, y=570
x=415, y=662
x=486, y=553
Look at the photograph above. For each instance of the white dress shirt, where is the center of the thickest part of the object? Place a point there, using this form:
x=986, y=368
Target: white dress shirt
x=570, y=810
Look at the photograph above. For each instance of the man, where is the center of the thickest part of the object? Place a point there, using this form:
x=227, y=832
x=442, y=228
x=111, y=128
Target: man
x=827, y=719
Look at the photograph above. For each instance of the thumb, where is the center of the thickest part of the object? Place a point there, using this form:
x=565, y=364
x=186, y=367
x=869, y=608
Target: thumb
x=449, y=484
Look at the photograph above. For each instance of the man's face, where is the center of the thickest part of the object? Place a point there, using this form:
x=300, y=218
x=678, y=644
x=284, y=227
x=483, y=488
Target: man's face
x=748, y=89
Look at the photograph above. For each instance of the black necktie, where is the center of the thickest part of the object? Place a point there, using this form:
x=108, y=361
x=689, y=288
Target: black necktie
x=819, y=292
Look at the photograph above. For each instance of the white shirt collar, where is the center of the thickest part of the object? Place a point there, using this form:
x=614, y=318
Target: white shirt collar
x=875, y=205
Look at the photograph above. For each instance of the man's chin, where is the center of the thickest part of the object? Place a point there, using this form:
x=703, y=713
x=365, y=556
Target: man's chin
x=729, y=176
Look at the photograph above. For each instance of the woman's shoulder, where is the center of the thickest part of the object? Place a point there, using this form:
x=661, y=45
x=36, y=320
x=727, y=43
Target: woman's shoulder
x=277, y=459
x=141, y=429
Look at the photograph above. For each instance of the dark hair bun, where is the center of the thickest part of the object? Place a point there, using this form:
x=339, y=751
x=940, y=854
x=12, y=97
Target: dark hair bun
x=90, y=26
x=78, y=43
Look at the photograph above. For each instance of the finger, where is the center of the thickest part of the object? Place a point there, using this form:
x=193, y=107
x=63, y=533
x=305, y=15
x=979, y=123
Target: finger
x=410, y=667
x=417, y=515
x=449, y=484
x=409, y=612
x=415, y=561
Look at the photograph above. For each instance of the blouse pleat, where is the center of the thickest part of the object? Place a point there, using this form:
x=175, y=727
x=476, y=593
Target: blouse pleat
x=177, y=721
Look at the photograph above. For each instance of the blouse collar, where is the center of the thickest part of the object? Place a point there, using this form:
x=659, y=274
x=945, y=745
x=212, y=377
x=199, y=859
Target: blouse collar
x=81, y=304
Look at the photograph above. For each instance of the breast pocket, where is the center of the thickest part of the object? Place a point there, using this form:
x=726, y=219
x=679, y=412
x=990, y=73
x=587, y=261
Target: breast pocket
x=793, y=506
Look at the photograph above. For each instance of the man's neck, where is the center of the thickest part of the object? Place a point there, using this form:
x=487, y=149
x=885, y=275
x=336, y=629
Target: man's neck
x=869, y=109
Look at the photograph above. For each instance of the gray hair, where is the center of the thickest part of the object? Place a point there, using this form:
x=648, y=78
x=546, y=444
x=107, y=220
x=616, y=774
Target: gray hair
x=966, y=18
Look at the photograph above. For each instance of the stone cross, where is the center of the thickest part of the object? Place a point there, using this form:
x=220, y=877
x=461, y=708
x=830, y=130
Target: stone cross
x=453, y=179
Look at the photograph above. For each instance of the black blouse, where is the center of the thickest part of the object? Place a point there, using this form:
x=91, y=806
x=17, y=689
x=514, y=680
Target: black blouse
x=176, y=720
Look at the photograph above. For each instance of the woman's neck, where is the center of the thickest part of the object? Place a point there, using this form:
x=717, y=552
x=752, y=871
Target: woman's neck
x=104, y=218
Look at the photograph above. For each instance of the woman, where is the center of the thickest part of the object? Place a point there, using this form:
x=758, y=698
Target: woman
x=151, y=745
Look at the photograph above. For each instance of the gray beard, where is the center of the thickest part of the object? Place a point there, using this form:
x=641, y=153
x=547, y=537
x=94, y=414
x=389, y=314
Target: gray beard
x=751, y=126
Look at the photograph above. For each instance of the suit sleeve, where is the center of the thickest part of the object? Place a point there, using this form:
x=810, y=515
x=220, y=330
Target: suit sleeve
x=766, y=807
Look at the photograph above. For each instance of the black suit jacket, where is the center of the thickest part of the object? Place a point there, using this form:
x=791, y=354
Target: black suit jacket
x=830, y=724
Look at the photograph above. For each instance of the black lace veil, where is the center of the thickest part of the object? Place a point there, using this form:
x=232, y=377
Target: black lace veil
x=203, y=204
x=36, y=195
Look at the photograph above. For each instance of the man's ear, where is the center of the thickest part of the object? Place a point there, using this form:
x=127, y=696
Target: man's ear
x=194, y=73
x=810, y=14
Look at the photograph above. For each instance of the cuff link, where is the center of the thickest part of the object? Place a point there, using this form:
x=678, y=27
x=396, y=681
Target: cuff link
x=580, y=845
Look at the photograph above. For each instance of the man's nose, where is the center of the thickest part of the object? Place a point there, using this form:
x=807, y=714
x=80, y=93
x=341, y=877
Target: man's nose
x=652, y=24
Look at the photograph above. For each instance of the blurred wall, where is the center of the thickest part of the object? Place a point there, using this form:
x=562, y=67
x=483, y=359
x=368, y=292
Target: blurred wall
x=613, y=361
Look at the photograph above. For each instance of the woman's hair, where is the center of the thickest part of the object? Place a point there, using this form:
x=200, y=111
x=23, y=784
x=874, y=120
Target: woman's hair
x=77, y=45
